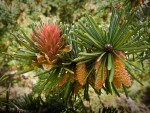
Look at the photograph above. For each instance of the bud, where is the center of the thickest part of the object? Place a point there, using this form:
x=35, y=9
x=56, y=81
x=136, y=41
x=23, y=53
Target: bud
x=50, y=43
x=48, y=40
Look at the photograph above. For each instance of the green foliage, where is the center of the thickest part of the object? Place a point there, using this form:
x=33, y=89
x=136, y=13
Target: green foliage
x=89, y=43
x=8, y=16
x=102, y=44
x=51, y=78
x=53, y=104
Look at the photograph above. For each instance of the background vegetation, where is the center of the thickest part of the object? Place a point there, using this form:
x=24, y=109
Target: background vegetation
x=19, y=80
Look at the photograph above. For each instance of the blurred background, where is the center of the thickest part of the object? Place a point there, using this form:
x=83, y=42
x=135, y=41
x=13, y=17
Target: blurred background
x=16, y=15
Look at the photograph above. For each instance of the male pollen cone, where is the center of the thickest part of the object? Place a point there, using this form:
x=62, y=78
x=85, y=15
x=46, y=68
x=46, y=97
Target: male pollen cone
x=49, y=40
x=64, y=79
x=99, y=81
x=77, y=88
x=81, y=73
x=121, y=75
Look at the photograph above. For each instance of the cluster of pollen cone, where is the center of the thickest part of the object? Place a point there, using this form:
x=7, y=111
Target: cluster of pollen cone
x=80, y=73
x=50, y=43
x=120, y=75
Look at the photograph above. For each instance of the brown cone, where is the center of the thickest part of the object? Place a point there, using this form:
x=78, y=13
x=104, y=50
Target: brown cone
x=64, y=79
x=77, y=87
x=121, y=75
x=81, y=72
x=99, y=82
x=140, y=2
